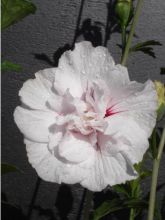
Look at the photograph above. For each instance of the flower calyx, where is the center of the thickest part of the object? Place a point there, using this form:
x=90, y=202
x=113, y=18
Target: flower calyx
x=123, y=10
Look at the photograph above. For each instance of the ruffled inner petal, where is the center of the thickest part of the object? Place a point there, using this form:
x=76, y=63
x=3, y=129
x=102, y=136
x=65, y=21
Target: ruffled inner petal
x=75, y=148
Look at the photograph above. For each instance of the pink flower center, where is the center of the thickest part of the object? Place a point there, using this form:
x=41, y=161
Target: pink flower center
x=109, y=112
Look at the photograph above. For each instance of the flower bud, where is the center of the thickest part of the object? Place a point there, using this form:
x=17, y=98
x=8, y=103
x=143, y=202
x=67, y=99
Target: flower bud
x=160, y=89
x=123, y=11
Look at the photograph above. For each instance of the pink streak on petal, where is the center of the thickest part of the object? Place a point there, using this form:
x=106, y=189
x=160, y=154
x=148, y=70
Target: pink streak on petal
x=110, y=112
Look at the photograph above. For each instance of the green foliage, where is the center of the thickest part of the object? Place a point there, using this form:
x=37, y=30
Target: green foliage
x=116, y=205
x=122, y=189
x=8, y=168
x=14, y=10
x=145, y=174
x=9, y=66
x=146, y=47
x=106, y=208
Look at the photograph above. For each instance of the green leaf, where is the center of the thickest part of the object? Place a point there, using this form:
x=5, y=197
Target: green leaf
x=106, y=208
x=138, y=166
x=9, y=66
x=149, y=51
x=116, y=205
x=8, y=168
x=145, y=174
x=146, y=47
x=122, y=189
x=147, y=43
x=15, y=10
x=135, y=188
x=136, y=203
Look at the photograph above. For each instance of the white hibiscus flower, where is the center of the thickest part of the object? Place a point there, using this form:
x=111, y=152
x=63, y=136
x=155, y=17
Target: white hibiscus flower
x=85, y=121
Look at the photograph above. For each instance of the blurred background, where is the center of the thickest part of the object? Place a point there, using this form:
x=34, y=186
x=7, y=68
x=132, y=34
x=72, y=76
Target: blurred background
x=37, y=42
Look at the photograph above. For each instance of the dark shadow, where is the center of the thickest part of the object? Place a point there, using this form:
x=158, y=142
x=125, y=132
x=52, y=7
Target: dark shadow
x=101, y=197
x=43, y=57
x=54, y=62
x=56, y=56
x=81, y=206
x=162, y=71
x=163, y=208
x=10, y=211
x=159, y=187
x=91, y=32
x=48, y=213
x=78, y=22
x=33, y=200
x=64, y=201
x=111, y=23
x=59, y=52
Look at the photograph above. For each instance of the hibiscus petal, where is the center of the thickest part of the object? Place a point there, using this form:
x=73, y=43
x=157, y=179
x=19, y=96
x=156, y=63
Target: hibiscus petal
x=35, y=92
x=101, y=97
x=108, y=171
x=96, y=63
x=54, y=103
x=138, y=101
x=67, y=77
x=128, y=136
x=51, y=168
x=34, y=124
x=90, y=61
x=75, y=147
x=47, y=166
x=55, y=136
x=117, y=77
x=85, y=122
x=87, y=63
x=110, y=145
x=118, y=170
x=94, y=181
x=72, y=174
